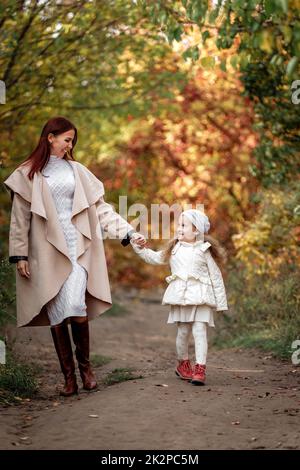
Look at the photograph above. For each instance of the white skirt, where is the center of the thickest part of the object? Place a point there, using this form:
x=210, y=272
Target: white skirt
x=191, y=313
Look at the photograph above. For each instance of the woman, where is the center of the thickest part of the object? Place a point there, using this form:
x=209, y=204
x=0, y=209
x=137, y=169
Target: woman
x=57, y=220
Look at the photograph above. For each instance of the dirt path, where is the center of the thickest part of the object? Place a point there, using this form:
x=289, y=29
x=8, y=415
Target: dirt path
x=251, y=401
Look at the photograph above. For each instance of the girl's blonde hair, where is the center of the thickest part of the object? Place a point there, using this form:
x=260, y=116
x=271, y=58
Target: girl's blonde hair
x=217, y=251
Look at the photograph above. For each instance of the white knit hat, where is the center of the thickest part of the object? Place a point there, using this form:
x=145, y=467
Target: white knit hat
x=199, y=219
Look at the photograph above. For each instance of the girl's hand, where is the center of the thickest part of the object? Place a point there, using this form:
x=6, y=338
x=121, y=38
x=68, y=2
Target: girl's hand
x=23, y=268
x=138, y=239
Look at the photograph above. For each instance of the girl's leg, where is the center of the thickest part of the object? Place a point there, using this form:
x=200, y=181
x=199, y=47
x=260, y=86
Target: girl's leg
x=183, y=369
x=200, y=337
x=182, y=340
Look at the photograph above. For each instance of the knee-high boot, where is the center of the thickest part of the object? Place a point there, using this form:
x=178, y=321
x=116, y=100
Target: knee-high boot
x=62, y=343
x=81, y=338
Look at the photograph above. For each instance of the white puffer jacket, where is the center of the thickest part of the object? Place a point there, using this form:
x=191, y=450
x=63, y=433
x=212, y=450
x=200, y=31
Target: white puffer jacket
x=195, y=277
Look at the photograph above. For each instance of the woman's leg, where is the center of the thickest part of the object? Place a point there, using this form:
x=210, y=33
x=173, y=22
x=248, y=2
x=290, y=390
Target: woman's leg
x=184, y=368
x=62, y=343
x=81, y=338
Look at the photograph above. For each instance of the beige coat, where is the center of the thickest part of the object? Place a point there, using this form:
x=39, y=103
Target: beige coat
x=35, y=232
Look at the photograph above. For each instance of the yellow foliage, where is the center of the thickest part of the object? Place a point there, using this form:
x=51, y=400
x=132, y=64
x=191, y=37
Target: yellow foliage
x=272, y=238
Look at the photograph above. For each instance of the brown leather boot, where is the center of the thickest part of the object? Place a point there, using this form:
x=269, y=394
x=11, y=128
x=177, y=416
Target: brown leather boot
x=81, y=338
x=62, y=343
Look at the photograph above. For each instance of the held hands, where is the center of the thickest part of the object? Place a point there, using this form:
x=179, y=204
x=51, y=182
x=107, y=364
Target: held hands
x=23, y=268
x=138, y=239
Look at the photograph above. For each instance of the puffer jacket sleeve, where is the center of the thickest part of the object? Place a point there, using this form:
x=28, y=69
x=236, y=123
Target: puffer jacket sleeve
x=149, y=256
x=217, y=282
x=19, y=229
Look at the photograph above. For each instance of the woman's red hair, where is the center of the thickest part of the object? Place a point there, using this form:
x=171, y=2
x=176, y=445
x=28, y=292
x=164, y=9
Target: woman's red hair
x=40, y=156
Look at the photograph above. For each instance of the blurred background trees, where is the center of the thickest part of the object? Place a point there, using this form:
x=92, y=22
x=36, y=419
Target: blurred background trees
x=179, y=102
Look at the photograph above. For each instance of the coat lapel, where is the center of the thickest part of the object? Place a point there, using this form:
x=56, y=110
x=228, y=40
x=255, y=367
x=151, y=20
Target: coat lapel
x=88, y=190
x=80, y=217
x=37, y=203
x=43, y=205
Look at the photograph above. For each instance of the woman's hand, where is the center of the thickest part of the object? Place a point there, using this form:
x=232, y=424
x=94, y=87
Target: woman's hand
x=138, y=239
x=23, y=268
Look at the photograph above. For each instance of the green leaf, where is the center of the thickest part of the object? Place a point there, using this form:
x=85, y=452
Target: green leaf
x=287, y=33
x=223, y=65
x=274, y=59
x=266, y=41
x=177, y=33
x=208, y=62
x=283, y=4
x=244, y=60
x=234, y=60
x=205, y=36
x=213, y=16
x=195, y=53
x=291, y=66
x=191, y=53
x=162, y=17
x=270, y=7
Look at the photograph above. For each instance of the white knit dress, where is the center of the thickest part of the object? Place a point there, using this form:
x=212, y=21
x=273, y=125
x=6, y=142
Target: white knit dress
x=70, y=300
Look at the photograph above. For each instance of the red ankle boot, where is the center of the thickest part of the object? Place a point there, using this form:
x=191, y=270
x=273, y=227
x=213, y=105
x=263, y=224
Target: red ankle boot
x=184, y=370
x=199, y=374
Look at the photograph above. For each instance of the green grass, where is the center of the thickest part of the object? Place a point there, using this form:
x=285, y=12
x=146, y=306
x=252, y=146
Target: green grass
x=120, y=375
x=264, y=313
x=7, y=293
x=117, y=310
x=17, y=380
x=265, y=339
x=98, y=360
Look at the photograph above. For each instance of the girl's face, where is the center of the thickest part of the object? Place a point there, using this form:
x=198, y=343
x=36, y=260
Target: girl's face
x=186, y=231
x=59, y=144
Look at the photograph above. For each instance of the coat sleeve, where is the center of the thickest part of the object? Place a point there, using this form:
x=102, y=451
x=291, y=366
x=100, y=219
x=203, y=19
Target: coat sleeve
x=112, y=224
x=149, y=256
x=19, y=229
x=217, y=282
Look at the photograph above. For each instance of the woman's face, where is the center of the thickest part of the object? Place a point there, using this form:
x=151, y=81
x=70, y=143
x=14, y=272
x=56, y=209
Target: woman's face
x=186, y=231
x=61, y=143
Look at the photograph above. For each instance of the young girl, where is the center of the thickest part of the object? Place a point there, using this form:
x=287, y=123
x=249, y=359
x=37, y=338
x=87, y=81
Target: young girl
x=195, y=288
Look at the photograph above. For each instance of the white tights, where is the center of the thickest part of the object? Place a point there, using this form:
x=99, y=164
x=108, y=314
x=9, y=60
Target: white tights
x=200, y=338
